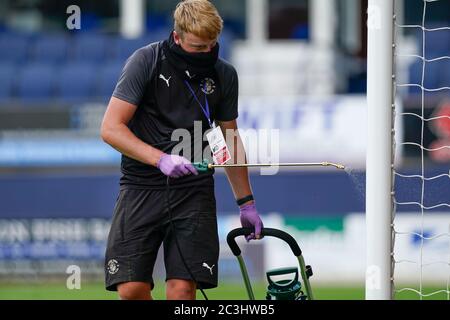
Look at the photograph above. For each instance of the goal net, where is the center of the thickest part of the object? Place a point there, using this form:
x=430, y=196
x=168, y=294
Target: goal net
x=421, y=215
x=408, y=201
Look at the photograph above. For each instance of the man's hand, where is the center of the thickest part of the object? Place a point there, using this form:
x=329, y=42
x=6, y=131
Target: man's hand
x=175, y=166
x=250, y=219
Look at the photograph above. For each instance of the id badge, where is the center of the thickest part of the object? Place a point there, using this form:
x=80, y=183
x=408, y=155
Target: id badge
x=218, y=146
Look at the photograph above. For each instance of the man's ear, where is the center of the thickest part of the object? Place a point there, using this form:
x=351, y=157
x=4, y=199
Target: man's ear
x=176, y=37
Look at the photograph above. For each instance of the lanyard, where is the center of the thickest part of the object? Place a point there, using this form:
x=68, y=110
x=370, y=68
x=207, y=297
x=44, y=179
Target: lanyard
x=205, y=108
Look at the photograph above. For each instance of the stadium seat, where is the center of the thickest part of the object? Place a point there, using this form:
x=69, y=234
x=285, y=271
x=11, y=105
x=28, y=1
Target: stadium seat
x=13, y=48
x=123, y=48
x=90, y=47
x=49, y=48
x=158, y=34
x=225, y=41
x=157, y=21
x=301, y=31
x=431, y=78
x=36, y=82
x=444, y=76
x=7, y=72
x=436, y=42
x=76, y=82
x=107, y=79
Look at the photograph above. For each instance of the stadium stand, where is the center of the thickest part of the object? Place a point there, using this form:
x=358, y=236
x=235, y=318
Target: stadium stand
x=66, y=67
x=13, y=48
x=123, y=48
x=7, y=72
x=49, y=49
x=108, y=76
x=76, y=81
x=431, y=79
x=92, y=47
x=436, y=42
x=36, y=82
x=436, y=45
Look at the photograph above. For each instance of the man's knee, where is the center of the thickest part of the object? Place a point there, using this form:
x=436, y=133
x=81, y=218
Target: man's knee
x=134, y=291
x=178, y=289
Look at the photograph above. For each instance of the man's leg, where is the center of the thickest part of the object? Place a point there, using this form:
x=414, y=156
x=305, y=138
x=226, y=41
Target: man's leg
x=134, y=291
x=178, y=289
x=133, y=242
x=192, y=239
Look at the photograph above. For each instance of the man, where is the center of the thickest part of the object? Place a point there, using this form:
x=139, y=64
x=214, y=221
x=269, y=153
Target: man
x=163, y=87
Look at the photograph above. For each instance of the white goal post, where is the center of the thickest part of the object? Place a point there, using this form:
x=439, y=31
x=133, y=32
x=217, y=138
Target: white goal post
x=379, y=174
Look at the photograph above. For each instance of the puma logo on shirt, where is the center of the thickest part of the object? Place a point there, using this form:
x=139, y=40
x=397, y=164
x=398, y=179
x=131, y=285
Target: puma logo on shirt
x=164, y=78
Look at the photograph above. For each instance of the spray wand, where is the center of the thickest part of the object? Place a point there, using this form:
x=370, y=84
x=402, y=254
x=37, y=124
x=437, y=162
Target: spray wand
x=205, y=165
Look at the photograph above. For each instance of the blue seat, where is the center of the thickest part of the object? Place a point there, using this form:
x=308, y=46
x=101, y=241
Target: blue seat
x=157, y=21
x=431, y=75
x=225, y=41
x=415, y=76
x=90, y=47
x=36, y=82
x=107, y=79
x=49, y=48
x=436, y=42
x=157, y=35
x=444, y=76
x=7, y=73
x=124, y=48
x=301, y=31
x=76, y=82
x=13, y=47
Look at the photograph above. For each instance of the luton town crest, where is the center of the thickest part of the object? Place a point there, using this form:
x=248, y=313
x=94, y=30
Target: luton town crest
x=208, y=85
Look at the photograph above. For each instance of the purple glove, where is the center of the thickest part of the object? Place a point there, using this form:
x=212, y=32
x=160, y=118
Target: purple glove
x=250, y=219
x=175, y=166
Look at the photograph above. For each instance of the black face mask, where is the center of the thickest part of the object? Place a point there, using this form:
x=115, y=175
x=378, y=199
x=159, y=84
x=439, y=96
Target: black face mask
x=190, y=65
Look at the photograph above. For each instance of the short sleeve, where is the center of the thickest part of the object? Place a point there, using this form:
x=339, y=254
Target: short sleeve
x=228, y=107
x=133, y=79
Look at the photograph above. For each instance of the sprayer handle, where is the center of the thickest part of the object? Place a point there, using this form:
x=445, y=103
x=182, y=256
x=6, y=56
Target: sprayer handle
x=264, y=232
x=280, y=272
x=201, y=166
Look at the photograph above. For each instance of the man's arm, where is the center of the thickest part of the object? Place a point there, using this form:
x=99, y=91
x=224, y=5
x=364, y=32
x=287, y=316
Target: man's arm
x=239, y=181
x=116, y=133
x=238, y=176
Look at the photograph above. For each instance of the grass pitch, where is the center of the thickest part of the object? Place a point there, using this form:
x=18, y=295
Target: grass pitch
x=225, y=291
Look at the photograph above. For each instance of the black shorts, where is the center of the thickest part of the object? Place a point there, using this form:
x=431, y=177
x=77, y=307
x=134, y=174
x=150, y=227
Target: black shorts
x=141, y=224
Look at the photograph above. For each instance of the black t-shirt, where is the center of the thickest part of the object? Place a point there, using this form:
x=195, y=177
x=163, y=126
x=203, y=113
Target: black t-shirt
x=164, y=104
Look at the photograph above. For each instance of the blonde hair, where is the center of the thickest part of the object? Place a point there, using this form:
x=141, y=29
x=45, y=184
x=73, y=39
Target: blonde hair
x=199, y=17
